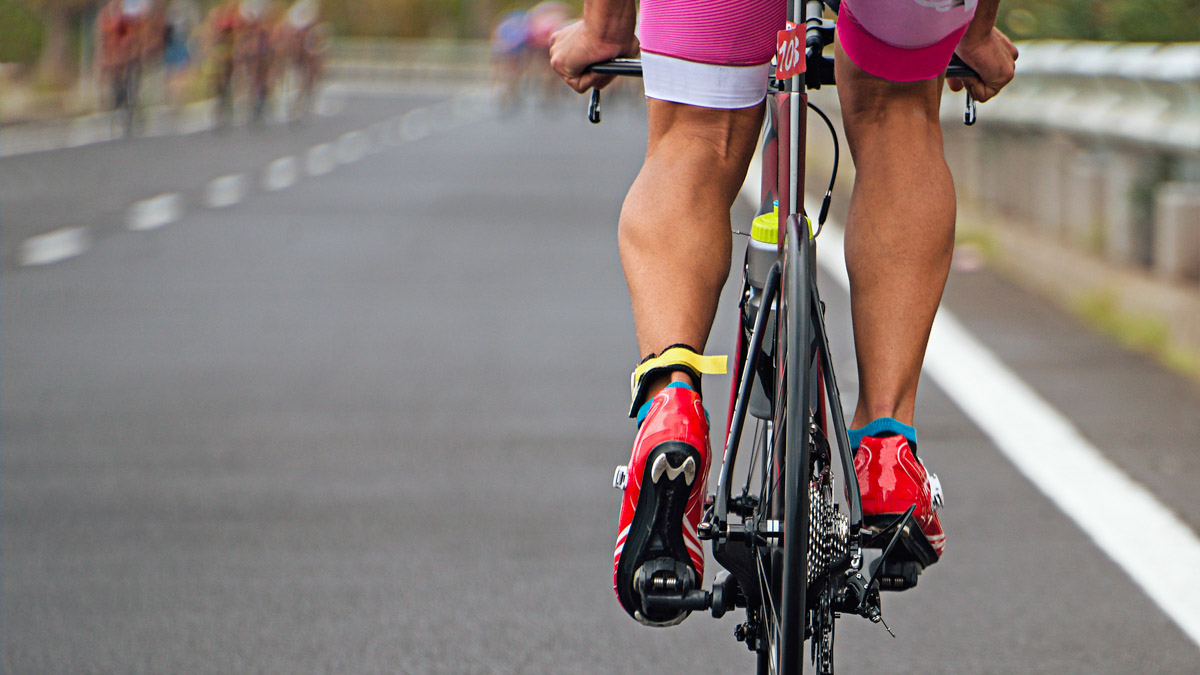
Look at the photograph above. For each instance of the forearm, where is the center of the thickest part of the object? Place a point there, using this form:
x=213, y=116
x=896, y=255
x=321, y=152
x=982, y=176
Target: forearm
x=985, y=19
x=611, y=20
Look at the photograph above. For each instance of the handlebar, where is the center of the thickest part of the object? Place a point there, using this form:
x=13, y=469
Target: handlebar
x=632, y=67
x=624, y=66
x=819, y=71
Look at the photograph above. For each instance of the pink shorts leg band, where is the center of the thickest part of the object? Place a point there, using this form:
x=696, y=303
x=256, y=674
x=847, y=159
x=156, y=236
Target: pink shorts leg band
x=903, y=46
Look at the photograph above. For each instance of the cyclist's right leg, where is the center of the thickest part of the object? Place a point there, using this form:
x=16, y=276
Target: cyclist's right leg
x=899, y=241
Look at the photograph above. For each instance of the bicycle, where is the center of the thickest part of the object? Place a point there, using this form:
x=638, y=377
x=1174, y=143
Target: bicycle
x=125, y=84
x=793, y=557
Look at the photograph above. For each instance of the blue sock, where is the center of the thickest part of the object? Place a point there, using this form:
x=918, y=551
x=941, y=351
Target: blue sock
x=645, y=409
x=884, y=426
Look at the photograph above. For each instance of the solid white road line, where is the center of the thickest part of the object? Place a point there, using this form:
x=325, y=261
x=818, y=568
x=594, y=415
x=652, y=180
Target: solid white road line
x=54, y=246
x=225, y=191
x=281, y=174
x=153, y=213
x=1141, y=534
x=1126, y=521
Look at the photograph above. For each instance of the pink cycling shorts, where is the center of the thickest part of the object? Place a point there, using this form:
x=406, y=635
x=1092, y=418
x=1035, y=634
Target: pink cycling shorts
x=717, y=53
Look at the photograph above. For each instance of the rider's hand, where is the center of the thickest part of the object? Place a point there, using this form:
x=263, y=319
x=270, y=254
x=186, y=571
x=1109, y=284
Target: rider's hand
x=993, y=56
x=575, y=47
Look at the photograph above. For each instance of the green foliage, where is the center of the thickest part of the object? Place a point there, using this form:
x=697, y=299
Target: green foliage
x=21, y=34
x=1127, y=20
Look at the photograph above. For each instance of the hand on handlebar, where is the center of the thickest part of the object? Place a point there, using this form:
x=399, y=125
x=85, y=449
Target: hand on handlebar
x=574, y=47
x=994, y=58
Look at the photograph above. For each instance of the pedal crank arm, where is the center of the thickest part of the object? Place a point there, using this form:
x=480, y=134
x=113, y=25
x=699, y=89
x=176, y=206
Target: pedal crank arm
x=694, y=601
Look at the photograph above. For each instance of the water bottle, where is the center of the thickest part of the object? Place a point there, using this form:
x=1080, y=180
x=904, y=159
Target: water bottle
x=762, y=247
x=761, y=254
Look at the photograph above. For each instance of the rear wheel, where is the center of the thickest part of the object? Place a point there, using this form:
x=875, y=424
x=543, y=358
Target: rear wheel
x=781, y=647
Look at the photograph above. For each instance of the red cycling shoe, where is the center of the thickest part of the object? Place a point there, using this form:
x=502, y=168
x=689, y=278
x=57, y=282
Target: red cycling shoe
x=664, y=485
x=891, y=479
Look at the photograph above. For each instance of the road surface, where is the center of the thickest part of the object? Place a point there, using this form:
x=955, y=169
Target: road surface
x=358, y=411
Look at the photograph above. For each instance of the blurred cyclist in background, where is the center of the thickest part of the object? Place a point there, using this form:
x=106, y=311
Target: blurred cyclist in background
x=508, y=55
x=542, y=21
x=254, y=51
x=178, y=24
x=123, y=41
x=303, y=45
x=221, y=26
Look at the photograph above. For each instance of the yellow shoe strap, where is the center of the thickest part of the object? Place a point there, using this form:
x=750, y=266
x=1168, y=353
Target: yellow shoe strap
x=670, y=359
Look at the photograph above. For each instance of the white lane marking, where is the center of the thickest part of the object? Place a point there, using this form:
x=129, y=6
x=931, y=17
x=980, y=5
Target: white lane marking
x=54, y=246
x=416, y=124
x=1141, y=534
x=320, y=159
x=351, y=147
x=1126, y=521
x=153, y=213
x=225, y=191
x=281, y=174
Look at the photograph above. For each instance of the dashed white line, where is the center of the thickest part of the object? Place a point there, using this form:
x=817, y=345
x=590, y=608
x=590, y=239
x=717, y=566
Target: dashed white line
x=149, y=214
x=54, y=246
x=320, y=159
x=281, y=174
x=416, y=124
x=225, y=191
x=351, y=147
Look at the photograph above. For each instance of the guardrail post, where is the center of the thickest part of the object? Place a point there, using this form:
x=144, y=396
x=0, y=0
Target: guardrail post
x=1177, y=239
x=1082, y=201
x=1123, y=241
x=1049, y=162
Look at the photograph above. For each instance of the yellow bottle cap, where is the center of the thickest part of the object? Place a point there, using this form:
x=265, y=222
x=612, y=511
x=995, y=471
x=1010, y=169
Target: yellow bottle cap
x=765, y=228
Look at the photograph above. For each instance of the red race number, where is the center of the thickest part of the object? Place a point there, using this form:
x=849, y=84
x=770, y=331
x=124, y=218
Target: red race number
x=789, y=52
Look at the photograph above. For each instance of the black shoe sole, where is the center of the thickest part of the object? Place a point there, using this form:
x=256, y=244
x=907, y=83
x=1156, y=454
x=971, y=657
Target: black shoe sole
x=657, y=528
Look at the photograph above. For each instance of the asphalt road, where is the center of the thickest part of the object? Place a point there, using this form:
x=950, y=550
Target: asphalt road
x=367, y=422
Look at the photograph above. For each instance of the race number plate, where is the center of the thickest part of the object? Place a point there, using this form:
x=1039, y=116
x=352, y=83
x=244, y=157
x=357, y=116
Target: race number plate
x=789, y=52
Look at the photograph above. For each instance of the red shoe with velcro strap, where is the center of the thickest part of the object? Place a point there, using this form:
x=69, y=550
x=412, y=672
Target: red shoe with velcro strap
x=891, y=479
x=664, y=488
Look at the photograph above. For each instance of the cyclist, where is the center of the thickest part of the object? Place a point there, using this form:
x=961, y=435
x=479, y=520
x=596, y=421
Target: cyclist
x=122, y=26
x=305, y=44
x=705, y=68
x=507, y=54
x=223, y=23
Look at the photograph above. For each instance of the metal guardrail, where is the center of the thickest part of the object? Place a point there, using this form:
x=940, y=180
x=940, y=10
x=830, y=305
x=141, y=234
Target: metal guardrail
x=388, y=58
x=1140, y=93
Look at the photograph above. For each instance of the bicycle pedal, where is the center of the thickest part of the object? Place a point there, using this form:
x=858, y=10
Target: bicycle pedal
x=666, y=585
x=898, y=575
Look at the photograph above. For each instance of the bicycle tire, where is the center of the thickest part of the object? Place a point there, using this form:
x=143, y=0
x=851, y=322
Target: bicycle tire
x=784, y=643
